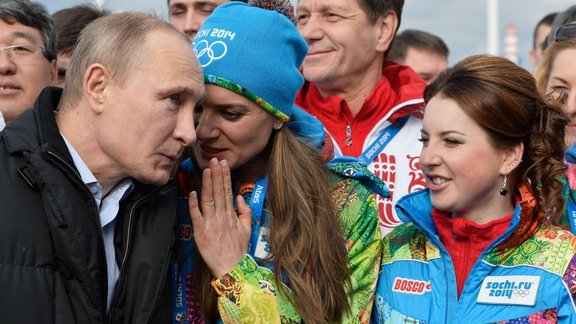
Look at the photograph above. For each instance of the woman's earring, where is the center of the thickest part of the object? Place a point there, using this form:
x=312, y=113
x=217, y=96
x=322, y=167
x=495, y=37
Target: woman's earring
x=278, y=126
x=503, y=190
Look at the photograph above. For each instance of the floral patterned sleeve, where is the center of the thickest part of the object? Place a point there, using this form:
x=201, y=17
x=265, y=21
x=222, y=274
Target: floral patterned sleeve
x=359, y=224
x=248, y=294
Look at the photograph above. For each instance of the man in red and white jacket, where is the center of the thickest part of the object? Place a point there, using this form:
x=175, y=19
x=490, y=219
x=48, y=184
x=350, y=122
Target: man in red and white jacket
x=371, y=107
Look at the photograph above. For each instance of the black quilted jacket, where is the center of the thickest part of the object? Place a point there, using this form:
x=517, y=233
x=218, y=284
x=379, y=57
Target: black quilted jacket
x=52, y=259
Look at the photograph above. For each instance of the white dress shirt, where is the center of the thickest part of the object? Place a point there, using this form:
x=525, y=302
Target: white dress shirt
x=2, y=122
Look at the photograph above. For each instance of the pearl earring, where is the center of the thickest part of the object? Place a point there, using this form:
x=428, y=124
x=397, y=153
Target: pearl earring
x=503, y=190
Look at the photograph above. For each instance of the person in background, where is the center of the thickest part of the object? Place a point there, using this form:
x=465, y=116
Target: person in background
x=27, y=56
x=69, y=23
x=425, y=53
x=309, y=250
x=482, y=243
x=556, y=74
x=541, y=31
x=556, y=79
x=87, y=225
x=562, y=18
x=371, y=107
x=188, y=15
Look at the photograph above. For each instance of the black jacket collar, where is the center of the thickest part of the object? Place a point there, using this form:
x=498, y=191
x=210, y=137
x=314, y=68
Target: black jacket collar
x=37, y=127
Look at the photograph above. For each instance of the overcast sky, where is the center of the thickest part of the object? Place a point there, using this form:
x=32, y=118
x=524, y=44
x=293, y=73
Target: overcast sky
x=462, y=24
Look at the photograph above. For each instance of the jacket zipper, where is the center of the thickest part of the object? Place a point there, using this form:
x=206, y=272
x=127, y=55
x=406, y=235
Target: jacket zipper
x=120, y=281
x=54, y=155
x=66, y=165
x=129, y=238
x=348, y=135
x=463, y=274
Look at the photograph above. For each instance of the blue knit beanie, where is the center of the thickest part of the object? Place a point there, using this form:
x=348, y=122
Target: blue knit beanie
x=254, y=52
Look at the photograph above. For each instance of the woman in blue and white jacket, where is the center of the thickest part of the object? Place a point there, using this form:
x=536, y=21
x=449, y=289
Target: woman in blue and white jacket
x=481, y=244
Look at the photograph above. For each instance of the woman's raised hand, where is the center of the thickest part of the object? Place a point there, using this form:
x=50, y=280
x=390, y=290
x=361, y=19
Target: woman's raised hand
x=222, y=234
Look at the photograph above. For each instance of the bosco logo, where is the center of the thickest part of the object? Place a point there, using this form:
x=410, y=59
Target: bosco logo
x=209, y=52
x=411, y=286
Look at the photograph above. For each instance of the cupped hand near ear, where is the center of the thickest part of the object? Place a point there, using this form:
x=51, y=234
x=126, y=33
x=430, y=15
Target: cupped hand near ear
x=222, y=235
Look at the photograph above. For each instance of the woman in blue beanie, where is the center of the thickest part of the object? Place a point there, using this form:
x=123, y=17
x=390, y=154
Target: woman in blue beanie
x=300, y=240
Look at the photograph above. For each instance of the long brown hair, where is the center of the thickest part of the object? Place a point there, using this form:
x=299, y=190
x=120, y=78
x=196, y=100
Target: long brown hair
x=303, y=226
x=502, y=98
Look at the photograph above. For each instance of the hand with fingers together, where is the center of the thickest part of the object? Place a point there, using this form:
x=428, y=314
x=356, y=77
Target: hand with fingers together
x=221, y=233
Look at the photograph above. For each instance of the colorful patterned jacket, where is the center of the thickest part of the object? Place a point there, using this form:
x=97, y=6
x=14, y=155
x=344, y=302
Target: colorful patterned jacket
x=569, y=218
x=249, y=293
x=533, y=282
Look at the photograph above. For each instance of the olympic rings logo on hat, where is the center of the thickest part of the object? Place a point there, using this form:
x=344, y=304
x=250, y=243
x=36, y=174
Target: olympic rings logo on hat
x=209, y=52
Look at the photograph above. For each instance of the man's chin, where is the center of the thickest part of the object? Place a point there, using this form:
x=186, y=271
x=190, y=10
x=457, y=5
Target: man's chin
x=317, y=75
x=10, y=110
x=160, y=178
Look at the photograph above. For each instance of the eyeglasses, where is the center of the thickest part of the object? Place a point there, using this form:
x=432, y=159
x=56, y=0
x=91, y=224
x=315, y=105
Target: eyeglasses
x=22, y=52
x=565, y=32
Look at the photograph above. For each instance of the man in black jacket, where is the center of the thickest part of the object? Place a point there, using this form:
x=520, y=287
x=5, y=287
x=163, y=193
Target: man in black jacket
x=86, y=217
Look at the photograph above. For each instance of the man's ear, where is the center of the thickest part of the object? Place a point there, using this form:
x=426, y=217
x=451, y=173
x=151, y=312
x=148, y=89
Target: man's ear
x=96, y=80
x=387, y=25
x=512, y=158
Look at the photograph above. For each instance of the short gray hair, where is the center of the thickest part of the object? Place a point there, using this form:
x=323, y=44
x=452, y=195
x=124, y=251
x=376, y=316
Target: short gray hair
x=115, y=41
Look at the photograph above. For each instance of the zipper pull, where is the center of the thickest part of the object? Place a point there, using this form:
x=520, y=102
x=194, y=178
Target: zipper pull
x=348, y=135
x=27, y=175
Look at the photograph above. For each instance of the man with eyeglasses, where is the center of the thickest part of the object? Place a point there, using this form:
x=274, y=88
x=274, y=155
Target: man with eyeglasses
x=27, y=56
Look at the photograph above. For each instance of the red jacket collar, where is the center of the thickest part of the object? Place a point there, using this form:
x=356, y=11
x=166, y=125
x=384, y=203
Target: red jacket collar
x=399, y=86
